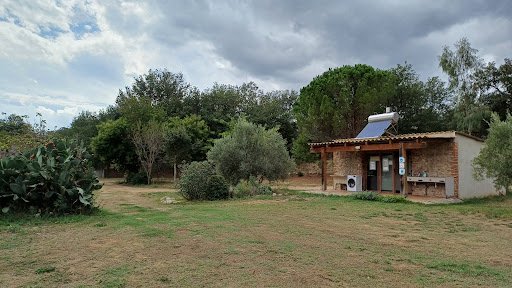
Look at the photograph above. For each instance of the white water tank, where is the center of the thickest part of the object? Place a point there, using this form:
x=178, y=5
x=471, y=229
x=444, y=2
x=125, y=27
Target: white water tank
x=393, y=116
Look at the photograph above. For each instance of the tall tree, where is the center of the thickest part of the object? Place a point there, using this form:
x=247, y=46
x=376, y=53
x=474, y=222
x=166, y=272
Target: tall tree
x=186, y=139
x=158, y=89
x=495, y=86
x=274, y=110
x=461, y=66
x=148, y=141
x=423, y=107
x=337, y=103
x=113, y=145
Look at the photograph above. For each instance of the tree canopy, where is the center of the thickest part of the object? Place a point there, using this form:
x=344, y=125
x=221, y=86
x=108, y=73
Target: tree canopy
x=495, y=158
x=251, y=150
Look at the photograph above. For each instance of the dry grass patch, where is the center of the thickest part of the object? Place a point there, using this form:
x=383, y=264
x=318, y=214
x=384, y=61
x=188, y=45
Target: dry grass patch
x=289, y=240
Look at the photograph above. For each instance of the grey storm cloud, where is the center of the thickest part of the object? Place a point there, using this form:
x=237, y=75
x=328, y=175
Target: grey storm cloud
x=273, y=38
x=61, y=57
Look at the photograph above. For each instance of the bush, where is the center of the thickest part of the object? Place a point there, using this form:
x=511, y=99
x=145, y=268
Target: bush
x=393, y=199
x=251, y=150
x=55, y=178
x=139, y=178
x=199, y=182
x=300, y=174
x=374, y=196
x=218, y=188
x=366, y=195
x=251, y=188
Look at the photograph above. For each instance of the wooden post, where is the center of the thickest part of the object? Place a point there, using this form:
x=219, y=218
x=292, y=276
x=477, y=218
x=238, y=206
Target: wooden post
x=403, y=183
x=406, y=184
x=324, y=169
x=395, y=161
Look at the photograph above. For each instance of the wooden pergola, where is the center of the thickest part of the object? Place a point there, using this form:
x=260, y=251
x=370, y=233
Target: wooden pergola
x=398, y=143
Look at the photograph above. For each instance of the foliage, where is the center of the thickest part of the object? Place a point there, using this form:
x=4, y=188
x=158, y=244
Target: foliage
x=53, y=178
x=274, y=110
x=139, y=178
x=461, y=66
x=155, y=95
x=423, y=107
x=251, y=188
x=148, y=140
x=337, y=103
x=366, y=195
x=251, y=150
x=495, y=86
x=17, y=135
x=495, y=158
x=113, y=145
x=200, y=182
x=374, y=196
x=393, y=199
x=218, y=188
x=187, y=138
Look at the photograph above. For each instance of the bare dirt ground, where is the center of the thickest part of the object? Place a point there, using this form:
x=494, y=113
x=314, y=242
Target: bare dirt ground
x=280, y=242
x=113, y=194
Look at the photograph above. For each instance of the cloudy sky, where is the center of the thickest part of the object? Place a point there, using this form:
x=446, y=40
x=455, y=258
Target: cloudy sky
x=61, y=57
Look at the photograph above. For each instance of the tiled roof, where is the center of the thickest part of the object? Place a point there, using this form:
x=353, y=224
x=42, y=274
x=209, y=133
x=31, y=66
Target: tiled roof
x=428, y=135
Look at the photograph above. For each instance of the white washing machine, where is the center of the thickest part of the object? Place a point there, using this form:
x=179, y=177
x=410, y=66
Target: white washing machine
x=354, y=183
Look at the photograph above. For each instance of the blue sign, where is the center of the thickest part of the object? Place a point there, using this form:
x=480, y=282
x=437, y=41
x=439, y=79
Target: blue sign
x=402, y=171
x=401, y=159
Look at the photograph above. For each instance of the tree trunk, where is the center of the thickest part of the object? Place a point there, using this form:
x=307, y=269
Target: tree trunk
x=174, y=169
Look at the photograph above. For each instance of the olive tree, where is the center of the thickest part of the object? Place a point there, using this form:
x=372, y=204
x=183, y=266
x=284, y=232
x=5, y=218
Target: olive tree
x=495, y=158
x=251, y=150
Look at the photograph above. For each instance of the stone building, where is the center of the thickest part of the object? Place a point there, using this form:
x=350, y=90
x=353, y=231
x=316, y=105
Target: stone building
x=436, y=164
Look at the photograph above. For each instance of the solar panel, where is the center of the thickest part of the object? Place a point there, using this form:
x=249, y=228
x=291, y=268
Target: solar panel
x=374, y=129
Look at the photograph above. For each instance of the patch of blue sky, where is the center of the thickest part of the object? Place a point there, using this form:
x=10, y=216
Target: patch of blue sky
x=80, y=29
x=11, y=18
x=50, y=32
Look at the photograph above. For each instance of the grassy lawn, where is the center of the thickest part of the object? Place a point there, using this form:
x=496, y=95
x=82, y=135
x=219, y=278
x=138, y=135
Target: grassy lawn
x=285, y=241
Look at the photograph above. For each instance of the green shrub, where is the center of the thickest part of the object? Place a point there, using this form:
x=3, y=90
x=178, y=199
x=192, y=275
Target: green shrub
x=199, y=182
x=249, y=150
x=366, y=195
x=218, y=188
x=300, y=174
x=53, y=178
x=251, y=188
x=392, y=199
x=139, y=178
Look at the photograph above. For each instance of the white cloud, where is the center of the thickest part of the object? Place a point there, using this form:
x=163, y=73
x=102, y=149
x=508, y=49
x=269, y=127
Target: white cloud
x=61, y=57
x=45, y=111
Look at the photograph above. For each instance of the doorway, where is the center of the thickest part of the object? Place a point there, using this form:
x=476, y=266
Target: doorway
x=380, y=172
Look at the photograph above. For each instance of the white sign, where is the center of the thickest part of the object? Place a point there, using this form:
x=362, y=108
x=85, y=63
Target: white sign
x=402, y=171
x=401, y=159
x=373, y=165
x=385, y=162
x=401, y=165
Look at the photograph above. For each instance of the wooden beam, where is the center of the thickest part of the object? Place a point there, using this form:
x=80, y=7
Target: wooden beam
x=324, y=169
x=370, y=147
x=395, y=159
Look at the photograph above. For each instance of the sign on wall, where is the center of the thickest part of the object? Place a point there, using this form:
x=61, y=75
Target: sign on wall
x=401, y=165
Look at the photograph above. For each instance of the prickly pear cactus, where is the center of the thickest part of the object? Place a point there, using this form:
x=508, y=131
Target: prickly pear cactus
x=55, y=178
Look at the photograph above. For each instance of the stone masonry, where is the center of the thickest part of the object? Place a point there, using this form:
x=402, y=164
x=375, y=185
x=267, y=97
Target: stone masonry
x=438, y=160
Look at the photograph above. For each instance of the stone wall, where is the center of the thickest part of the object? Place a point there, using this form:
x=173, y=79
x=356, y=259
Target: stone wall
x=439, y=160
x=348, y=163
x=314, y=168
